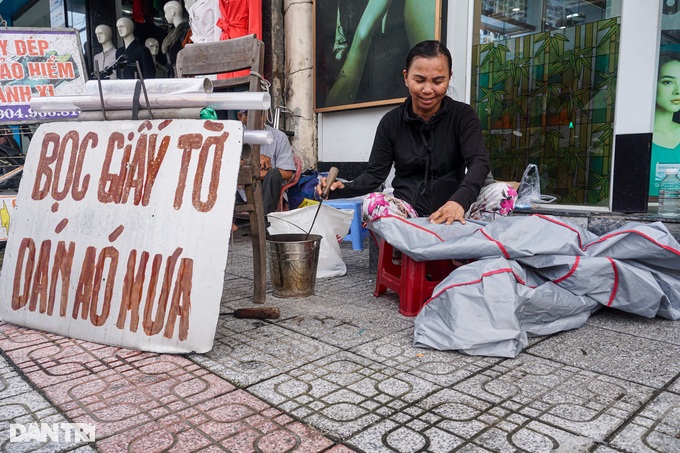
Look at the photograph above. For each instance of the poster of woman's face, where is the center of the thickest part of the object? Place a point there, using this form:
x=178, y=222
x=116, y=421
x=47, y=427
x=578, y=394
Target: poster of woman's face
x=361, y=48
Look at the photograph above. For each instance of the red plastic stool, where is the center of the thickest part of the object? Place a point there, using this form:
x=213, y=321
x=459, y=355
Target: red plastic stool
x=412, y=280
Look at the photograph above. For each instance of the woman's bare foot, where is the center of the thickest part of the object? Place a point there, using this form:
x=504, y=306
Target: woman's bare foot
x=233, y=227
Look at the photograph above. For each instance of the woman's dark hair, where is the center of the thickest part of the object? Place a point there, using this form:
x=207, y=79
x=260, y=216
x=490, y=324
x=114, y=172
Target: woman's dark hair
x=428, y=49
x=668, y=56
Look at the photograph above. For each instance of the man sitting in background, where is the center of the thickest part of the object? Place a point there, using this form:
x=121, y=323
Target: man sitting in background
x=277, y=167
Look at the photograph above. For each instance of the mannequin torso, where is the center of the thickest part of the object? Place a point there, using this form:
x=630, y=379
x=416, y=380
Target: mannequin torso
x=153, y=46
x=134, y=51
x=107, y=56
x=176, y=38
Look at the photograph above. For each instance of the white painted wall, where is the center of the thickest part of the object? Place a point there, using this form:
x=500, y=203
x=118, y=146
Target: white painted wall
x=638, y=59
x=347, y=136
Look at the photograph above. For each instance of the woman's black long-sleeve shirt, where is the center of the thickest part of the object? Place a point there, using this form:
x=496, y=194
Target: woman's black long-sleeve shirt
x=430, y=158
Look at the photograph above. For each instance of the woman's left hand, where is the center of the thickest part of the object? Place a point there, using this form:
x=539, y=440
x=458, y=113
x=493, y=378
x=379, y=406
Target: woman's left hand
x=448, y=213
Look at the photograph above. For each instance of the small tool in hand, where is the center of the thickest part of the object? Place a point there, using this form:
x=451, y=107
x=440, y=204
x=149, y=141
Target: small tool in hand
x=255, y=313
x=330, y=179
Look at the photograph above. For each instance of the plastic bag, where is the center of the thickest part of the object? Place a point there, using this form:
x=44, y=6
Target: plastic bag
x=331, y=223
x=529, y=191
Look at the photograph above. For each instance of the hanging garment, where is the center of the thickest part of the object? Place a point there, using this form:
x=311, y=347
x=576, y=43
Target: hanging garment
x=202, y=18
x=239, y=18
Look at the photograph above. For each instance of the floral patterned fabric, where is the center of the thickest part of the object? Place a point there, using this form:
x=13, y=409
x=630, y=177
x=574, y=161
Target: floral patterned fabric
x=493, y=200
x=378, y=204
x=497, y=199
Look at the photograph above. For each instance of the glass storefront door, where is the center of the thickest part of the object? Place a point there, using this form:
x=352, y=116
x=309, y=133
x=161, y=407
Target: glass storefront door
x=543, y=85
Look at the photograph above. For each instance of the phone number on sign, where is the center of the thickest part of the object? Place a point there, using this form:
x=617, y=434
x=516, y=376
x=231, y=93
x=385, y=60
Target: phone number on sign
x=24, y=112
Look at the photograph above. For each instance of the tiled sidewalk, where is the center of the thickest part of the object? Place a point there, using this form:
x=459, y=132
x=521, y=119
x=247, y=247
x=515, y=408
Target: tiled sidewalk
x=337, y=372
x=138, y=401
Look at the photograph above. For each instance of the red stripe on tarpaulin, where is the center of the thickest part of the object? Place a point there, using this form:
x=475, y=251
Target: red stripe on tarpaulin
x=504, y=270
x=571, y=271
x=392, y=216
x=616, y=282
x=562, y=224
x=498, y=243
x=639, y=233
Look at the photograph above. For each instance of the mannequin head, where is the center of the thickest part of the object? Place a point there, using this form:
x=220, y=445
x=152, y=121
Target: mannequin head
x=103, y=34
x=152, y=45
x=125, y=27
x=174, y=12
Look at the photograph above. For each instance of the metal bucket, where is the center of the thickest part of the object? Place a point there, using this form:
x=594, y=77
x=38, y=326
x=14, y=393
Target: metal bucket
x=292, y=263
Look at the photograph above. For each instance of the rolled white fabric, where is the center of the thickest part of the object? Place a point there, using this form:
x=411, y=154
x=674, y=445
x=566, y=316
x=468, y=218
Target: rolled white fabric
x=155, y=86
x=243, y=100
x=143, y=114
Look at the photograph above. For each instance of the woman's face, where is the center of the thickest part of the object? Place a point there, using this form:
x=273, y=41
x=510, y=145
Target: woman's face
x=668, y=87
x=427, y=80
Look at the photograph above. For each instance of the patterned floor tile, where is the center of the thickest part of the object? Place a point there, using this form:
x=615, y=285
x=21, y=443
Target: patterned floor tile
x=237, y=422
x=572, y=399
x=534, y=437
x=343, y=323
x=343, y=393
x=238, y=288
x=675, y=386
x=65, y=360
x=149, y=402
x=11, y=384
x=625, y=356
x=15, y=337
x=258, y=354
x=654, y=429
x=148, y=390
x=443, y=368
x=655, y=329
x=452, y=420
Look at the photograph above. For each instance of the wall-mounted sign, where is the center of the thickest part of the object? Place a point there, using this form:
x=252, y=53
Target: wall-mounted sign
x=121, y=232
x=38, y=62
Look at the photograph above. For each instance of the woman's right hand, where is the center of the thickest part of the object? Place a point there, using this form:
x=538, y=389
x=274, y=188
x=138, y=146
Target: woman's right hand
x=322, y=185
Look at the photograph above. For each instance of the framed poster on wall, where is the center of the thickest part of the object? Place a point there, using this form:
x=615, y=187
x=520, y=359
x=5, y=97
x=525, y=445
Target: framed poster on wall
x=360, y=49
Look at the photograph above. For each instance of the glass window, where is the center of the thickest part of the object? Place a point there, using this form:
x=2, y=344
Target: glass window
x=503, y=19
x=76, y=18
x=37, y=15
x=543, y=85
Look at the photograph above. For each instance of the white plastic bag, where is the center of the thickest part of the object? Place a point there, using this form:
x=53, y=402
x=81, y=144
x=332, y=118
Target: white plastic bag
x=529, y=191
x=331, y=223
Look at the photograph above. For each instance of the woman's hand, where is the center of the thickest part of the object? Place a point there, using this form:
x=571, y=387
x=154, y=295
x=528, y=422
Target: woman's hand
x=322, y=185
x=448, y=213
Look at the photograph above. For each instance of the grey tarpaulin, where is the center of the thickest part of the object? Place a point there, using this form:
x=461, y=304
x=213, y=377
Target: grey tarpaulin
x=534, y=275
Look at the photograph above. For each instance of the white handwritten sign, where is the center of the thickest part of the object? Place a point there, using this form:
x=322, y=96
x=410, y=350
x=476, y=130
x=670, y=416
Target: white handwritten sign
x=121, y=232
x=38, y=62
